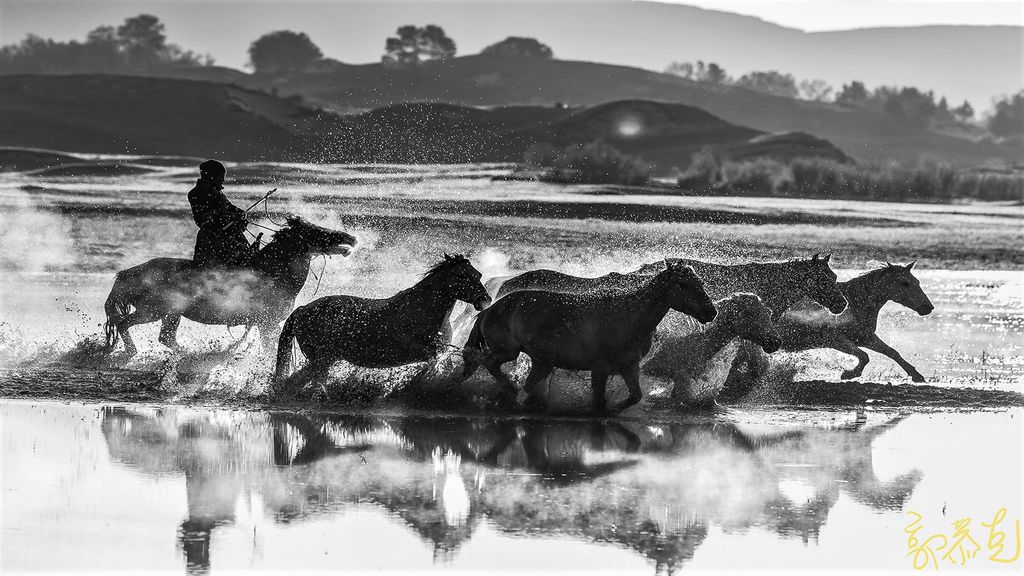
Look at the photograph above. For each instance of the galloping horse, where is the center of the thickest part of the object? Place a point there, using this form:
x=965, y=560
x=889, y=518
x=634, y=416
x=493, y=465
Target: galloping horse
x=698, y=363
x=855, y=328
x=778, y=284
x=606, y=332
x=168, y=288
x=380, y=333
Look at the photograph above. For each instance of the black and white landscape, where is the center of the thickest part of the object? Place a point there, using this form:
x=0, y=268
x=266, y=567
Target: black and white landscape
x=801, y=249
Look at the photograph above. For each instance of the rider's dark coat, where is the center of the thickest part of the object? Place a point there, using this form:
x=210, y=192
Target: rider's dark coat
x=221, y=238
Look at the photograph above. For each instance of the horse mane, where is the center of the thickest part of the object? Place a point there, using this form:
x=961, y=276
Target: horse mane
x=295, y=225
x=882, y=268
x=445, y=264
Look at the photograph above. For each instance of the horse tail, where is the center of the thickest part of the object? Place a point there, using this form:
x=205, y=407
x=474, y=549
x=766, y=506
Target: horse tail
x=284, y=348
x=117, y=307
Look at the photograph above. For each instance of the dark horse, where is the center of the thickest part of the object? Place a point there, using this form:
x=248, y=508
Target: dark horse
x=168, y=288
x=606, y=332
x=779, y=285
x=855, y=328
x=380, y=333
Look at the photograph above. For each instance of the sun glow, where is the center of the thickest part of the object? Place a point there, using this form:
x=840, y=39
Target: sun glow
x=629, y=127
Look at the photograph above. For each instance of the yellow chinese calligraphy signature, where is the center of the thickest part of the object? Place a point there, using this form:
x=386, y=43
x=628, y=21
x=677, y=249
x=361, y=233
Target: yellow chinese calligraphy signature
x=928, y=550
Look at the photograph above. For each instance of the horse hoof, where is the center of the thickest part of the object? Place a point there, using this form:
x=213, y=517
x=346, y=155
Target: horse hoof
x=918, y=378
x=848, y=375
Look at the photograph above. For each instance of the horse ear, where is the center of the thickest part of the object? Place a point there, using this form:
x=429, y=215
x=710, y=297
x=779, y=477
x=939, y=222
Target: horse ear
x=447, y=258
x=815, y=258
x=827, y=257
x=664, y=262
x=911, y=265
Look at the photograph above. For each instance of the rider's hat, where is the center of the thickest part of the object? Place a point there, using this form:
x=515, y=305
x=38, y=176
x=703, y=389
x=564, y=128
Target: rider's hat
x=212, y=170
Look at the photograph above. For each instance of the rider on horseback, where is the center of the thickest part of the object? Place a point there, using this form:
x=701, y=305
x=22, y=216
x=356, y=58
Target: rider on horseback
x=221, y=238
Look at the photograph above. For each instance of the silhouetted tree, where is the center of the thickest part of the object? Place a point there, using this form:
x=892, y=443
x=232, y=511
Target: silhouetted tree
x=1008, y=117
x=683, y=69
x=137, y=44
x=770, y=82
x=283, y=51
x=815, y=90
x=853, y=94
x=908, y=104
x=964, y=112
x=699, y=71
x=414, y=45
x=518, y=47
x=712, y=73
x=102, y=48
x=142, y=40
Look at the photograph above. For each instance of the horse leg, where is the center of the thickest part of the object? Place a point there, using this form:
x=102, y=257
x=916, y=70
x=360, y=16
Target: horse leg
x=538, y=372
x=140, y=316
x=632, y=377
x=314, y=370
x=875, y=343
x=169, y=331
x=598, y=386
x=845, y=346
x=493, y=362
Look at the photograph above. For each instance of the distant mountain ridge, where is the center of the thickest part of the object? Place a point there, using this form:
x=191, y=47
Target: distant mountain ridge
x=490, y=81
x=125, y=114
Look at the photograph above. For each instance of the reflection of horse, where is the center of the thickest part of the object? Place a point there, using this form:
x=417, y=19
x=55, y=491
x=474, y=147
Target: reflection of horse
x=380, y=333
x=605, y=332
x=698, y=363
x=855, y=328
x=168, y=288
x=656, y=489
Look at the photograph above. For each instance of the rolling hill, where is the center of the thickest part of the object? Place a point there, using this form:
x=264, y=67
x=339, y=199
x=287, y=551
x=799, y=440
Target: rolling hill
x=160, y=116
x=132, y=115
x=490, y=81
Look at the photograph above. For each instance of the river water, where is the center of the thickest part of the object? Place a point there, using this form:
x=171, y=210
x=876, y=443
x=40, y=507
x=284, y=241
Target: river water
x=196, y=483
x=104, y=487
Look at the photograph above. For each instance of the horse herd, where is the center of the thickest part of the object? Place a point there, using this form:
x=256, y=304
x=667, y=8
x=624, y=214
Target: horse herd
x=607, y=325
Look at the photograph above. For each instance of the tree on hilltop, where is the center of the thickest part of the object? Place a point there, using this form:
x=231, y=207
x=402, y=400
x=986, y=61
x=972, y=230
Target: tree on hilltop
x=1008, y=117
x=770, y=82
x=414, y=45
x=518, y=47
x=283, y=51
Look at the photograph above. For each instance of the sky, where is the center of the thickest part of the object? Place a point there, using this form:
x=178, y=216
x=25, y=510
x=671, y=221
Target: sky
x=821, y=15
x=224, y=28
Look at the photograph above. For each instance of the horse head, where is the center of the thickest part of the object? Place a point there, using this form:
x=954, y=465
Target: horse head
x=903, y=288
x=461, y=280
x=815, y=278
x=685, y=292
x=748, y=317
x=313, y=238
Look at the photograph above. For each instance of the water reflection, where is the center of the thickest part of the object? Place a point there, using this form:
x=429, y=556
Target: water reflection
x=656, y=489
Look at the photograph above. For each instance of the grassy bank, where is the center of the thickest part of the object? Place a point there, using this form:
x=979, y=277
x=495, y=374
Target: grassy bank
x=821, y=178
